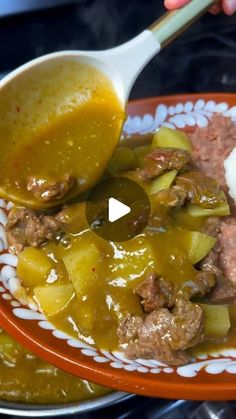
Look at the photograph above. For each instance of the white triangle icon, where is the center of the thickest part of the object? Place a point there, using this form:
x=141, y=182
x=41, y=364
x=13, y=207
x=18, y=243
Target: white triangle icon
x=117, y=210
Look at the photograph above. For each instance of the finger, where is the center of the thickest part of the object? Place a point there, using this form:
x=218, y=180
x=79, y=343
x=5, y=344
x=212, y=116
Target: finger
x=217, y=8
x=229, y=7
x=175, y=4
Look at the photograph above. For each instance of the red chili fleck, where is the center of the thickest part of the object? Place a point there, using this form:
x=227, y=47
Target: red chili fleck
x=17, y=109
x=93, y=269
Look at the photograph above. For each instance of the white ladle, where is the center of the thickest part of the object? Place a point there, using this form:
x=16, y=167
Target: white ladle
x=124, y=63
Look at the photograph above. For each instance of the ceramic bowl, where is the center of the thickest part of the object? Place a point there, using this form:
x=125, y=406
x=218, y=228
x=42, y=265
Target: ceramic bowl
x=48, y=411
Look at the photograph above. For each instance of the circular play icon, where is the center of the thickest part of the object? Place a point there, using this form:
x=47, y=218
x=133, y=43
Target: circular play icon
x=118, y=209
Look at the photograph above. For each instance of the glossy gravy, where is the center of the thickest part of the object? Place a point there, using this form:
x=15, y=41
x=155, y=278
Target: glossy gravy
x=94, y=314
x=26, y=378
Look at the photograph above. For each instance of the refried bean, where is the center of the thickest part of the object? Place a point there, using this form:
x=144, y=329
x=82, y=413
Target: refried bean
x=211, y=146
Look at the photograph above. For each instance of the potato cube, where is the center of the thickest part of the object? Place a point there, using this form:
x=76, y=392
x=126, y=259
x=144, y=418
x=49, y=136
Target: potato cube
x=197, y=211
x=162, y=182
x=53, y=298
x=82, y=266
x=122, y=159
x=217, y=322
x=33, y=267
x=171, y=138
x=198, y=245
x=140, y=153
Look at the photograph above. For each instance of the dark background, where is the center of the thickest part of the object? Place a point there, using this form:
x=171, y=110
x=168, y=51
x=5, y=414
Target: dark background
x=203, y=59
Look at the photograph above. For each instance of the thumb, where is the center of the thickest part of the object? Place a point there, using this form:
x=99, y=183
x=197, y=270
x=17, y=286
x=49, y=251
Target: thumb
x=175, y=4
x=229, y=6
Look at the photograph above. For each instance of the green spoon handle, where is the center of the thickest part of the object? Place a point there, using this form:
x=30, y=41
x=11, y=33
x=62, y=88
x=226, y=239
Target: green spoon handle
x=173, y=23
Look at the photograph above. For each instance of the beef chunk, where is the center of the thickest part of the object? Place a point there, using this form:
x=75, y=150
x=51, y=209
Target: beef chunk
x=50, y=190
x=210, y=263
x=223, y=292
x=194, y=187
x=140, y=217
x=191, y=317
x=200, y=285
x=129, y=328
x=163, y=335
x=162, y=159
x=212, y=226
x=25, y=228
x=173, y=197
x=200, y=189
x=227, y=255
x=221, y=261
x=156, y=293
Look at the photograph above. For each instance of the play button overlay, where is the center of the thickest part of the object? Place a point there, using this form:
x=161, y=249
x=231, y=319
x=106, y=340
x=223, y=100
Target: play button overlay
x=118, y=209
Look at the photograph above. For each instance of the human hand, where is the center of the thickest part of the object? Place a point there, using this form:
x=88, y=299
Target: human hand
x=228, y=6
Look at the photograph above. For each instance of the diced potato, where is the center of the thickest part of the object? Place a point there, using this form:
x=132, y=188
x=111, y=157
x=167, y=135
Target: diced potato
x=186, y=220
x=162, y=182
x=171, y=138
x=123, y=159
x=53, y=298
x=33, y=267
x=197, y=211
x=198, y=245
x=82, y=266
x=217, y=321
x=140, y=153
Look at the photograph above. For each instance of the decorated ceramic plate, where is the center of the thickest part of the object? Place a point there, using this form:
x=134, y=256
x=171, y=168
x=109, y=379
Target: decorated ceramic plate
x=211, y=375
